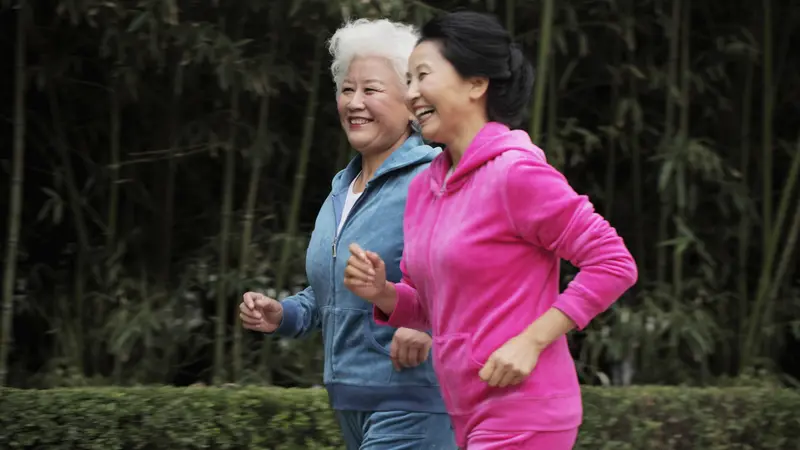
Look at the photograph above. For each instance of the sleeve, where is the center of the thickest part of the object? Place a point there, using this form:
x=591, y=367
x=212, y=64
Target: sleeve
x=408, y=308
x=300, y=315
x=546, y=211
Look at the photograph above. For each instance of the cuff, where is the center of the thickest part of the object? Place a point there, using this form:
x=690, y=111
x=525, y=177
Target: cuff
x=403, y=312
x=291, y=313
x=574, y=308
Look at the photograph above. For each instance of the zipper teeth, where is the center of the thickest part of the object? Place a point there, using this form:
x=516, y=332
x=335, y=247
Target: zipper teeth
x=338, y=231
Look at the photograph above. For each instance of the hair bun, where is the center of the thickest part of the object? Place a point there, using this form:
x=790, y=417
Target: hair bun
x=512, y=95
x=516, y=59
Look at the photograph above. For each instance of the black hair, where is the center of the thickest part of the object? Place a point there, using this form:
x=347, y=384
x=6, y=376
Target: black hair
x=477, y=45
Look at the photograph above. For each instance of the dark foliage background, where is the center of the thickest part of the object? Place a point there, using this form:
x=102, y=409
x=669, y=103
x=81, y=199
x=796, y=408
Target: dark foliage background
x=176, y=153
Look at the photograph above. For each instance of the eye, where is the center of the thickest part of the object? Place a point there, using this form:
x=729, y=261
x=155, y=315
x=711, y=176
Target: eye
x=347, y=89
x=370, y=90
x=422, y=75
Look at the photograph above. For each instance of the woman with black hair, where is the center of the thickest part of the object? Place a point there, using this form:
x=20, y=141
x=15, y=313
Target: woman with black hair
x=486, y=227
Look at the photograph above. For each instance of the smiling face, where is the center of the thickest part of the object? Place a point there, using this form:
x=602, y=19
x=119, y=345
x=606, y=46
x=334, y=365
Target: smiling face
x=371, y=106
x=438, y=96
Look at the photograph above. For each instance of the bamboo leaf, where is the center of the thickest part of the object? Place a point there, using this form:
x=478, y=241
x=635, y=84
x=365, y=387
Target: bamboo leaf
x=139, y=21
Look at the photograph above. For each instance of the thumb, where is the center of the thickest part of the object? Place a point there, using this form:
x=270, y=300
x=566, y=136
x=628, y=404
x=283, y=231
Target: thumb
x=268, y=305
x=375, y=259
x=486, y=371
x=356, y=250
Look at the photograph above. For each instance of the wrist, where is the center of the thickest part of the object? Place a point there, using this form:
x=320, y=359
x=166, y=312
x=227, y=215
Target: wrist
x=535, y=338
x=387, y=298
x=552, y=325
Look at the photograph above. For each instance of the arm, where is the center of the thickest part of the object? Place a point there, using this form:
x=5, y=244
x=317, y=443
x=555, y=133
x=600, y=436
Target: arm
x=300, y=315
x=547, y=212
x=399, y=305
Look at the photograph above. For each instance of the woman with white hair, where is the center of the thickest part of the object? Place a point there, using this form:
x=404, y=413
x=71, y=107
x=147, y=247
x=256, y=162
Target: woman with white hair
x=379, y=379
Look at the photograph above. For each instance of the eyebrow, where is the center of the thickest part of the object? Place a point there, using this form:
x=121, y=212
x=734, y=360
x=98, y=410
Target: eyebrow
x=368, y=80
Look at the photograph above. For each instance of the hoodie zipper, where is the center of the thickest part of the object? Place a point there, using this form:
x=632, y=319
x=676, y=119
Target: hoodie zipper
x=338, y=232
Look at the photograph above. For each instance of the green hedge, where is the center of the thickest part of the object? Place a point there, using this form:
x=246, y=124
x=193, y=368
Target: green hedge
x=645, y=418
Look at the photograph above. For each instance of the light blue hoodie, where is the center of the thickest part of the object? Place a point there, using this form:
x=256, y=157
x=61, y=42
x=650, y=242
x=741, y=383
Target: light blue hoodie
x=359, y=375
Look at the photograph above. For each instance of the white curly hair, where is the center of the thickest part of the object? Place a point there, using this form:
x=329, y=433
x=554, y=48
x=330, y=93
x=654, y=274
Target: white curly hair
x=364, y=37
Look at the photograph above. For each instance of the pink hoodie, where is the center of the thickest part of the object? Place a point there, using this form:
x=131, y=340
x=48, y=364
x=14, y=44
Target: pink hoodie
x=481, y=263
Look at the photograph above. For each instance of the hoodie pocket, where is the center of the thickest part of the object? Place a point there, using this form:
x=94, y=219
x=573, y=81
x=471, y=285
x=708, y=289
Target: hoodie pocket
x=457, y=371
x=380, y=337
x=355, y=359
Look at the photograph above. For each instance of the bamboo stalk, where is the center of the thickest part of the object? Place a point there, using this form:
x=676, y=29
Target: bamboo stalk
x=559, y=161
x=299, y=181
x=168, y=212
x=224, y=241
x=76, y=208
x=770, y=232
x=745, y=221
x=510, y=13
x=786, y=255
x=768, y=97
x=683, y=133
x=614, y=126
x=15, y=192
x=668, y=137
x=758, y=316
x=112, y=212
x=636, y=162
x=546, y=26
x=260, y=152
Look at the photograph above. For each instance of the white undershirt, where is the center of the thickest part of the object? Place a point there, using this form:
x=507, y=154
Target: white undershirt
x=448, y=174
x=348, y=203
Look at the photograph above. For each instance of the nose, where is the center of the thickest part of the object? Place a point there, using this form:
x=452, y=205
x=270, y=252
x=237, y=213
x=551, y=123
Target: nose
x=412, y=93
x=356, y=101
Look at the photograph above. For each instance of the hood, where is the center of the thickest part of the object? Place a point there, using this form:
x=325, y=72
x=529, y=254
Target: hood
x=413, y=152
x=493, y=140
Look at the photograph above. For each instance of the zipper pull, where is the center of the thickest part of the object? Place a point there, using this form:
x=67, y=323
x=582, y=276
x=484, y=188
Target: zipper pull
x=333, y=248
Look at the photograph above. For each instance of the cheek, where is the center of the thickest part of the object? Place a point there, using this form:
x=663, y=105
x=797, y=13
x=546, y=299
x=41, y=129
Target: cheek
x=341, y=108
x=392, y=113
x=426, y=91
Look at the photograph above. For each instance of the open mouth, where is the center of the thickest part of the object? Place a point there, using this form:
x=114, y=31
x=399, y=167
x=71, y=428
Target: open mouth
x=424, y=113
x=358, y=121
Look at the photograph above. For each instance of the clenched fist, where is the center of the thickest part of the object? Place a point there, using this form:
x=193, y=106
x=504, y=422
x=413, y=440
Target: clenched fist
x=409, y=348
x=365, y=274
x=260, y=313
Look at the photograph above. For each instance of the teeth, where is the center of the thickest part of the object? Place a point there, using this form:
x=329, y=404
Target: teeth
x=359, y=121
x=424, y=112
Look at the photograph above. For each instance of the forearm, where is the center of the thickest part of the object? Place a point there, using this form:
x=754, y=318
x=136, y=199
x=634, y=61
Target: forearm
x=548, y=328
x=399, y=306
x=387, y=300
x=300, y=315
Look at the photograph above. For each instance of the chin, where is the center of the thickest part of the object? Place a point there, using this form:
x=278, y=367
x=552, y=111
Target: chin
x=356, y=141
x=429, y=134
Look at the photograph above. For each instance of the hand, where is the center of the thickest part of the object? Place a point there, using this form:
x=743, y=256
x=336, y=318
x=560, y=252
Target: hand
x=260, y=313
x=409, y=348
x=512, y=363
x=365, y=274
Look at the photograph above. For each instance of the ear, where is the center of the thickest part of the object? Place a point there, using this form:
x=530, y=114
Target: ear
x=478, y=87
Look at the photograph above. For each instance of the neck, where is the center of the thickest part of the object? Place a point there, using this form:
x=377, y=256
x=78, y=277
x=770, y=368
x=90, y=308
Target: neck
x=371, y=161
x=464, y=136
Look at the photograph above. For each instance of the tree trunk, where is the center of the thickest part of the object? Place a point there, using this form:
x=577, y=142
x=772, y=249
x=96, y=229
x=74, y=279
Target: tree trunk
x=15, y=193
